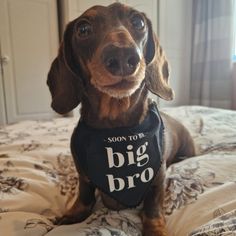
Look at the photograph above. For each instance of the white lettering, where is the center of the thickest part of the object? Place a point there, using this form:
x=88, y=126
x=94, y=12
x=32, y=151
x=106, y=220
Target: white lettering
x=139, y=158
x=111, y=158
x=131, y=180
x=118, y=186
x=130, y=155
x=116, y=139
x=133, y=138
x=147, y=175
x=142, y=156
x=141, y=135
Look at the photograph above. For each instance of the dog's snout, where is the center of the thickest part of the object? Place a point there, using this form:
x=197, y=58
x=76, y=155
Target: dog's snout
x=120, y=61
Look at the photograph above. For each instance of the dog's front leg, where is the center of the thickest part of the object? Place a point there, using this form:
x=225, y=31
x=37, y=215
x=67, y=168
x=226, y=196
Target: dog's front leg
x=83, y=205
x=153, y=216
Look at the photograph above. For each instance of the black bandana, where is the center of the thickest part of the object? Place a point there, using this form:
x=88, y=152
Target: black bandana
x=122, y=162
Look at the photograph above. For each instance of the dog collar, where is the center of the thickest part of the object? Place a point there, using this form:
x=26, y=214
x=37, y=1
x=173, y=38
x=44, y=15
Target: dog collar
x=122, y=162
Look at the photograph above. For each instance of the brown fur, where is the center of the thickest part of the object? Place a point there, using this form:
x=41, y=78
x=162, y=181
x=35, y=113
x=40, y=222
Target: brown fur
x=80, y=75
x=155, y=226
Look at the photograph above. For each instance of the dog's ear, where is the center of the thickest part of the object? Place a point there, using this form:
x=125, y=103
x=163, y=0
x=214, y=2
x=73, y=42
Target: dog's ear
x=64, y=82
x=157, y=71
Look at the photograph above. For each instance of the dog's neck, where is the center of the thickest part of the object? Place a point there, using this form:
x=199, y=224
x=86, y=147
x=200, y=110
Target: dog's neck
x=100, y=110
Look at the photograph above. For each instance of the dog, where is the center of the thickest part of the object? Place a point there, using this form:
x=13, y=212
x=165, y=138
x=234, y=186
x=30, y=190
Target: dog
x=109, y=61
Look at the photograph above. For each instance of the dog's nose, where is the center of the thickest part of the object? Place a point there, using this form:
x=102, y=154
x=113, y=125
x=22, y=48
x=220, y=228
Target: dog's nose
x=120, y=61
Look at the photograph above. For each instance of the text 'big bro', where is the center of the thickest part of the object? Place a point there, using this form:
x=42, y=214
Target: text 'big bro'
x=130, y=156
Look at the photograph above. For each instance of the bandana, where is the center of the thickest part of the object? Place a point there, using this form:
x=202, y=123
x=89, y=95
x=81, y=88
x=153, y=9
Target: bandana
x=122, y=162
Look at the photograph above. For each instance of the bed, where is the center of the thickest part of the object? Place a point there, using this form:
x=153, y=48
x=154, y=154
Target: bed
x=38, y=180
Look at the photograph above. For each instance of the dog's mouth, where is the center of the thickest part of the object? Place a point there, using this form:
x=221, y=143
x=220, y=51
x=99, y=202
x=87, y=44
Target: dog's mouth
x=124, y=84
x=113, y=85
x=120, y=89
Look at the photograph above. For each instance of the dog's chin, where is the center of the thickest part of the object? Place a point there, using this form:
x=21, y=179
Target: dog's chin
x=122, y=89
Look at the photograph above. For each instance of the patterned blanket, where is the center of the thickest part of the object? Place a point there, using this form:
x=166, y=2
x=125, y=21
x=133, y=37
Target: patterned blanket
x=38, y=180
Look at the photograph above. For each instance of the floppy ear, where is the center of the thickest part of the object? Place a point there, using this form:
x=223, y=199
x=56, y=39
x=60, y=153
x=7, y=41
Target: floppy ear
x=64, y=82
x=157, y=71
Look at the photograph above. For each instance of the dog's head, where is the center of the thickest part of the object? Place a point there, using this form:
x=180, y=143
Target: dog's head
x=113, y=49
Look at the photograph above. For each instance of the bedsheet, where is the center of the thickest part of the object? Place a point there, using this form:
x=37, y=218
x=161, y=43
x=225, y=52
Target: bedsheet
x=38, y=180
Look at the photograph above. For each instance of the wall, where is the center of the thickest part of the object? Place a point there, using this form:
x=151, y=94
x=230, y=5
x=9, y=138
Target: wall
x=175, y=37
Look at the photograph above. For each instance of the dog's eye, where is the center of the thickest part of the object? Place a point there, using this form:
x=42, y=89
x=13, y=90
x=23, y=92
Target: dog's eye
x=137, y=22
x=84, y=29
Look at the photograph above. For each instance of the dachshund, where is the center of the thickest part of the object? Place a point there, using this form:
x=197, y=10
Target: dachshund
x=109, y=61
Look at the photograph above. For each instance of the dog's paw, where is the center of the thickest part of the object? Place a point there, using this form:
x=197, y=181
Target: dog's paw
x=72, y=219
x=154, y=233
x=75, y=215
x=154, y=227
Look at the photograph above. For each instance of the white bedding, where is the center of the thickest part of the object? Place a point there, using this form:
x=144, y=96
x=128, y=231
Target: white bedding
x=38, y=180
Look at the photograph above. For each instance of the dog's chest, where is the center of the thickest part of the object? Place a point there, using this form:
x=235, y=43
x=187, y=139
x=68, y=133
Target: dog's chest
x=121, y=162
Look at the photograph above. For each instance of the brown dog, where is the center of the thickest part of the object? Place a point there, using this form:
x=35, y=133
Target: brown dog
x=108, y=61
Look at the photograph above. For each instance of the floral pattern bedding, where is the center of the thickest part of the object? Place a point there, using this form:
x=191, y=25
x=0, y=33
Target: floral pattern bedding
x=38, y=180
